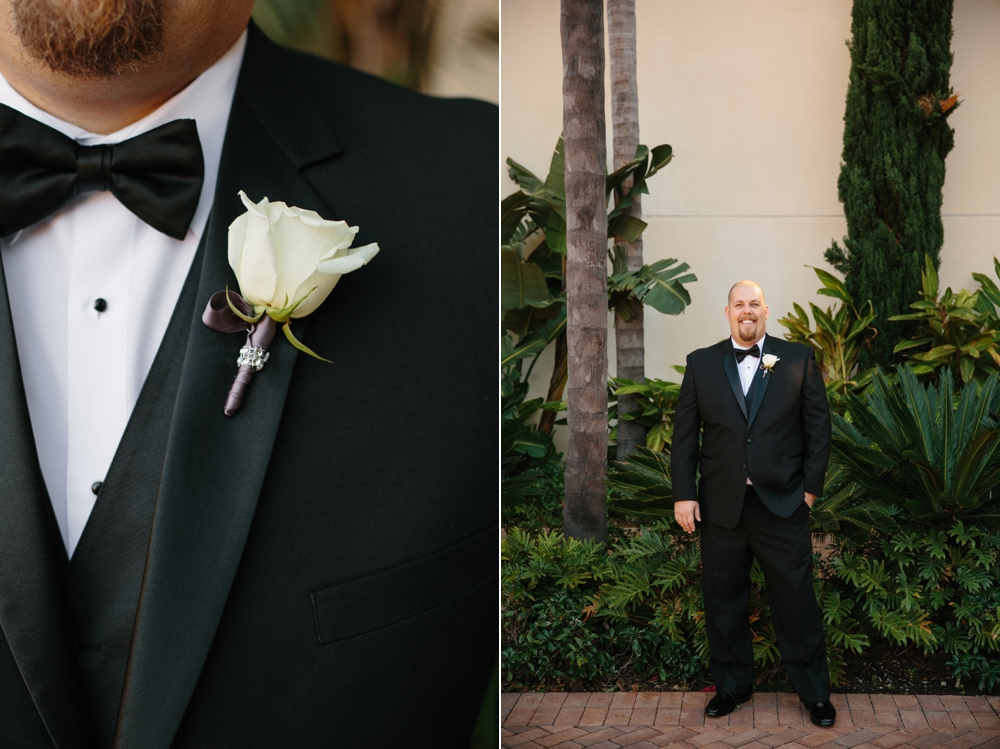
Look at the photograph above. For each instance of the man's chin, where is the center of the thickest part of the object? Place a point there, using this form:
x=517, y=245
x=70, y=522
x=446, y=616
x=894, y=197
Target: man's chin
x=748, y=336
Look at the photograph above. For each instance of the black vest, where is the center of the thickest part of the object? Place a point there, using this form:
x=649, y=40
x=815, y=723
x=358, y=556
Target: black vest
x=104, y=577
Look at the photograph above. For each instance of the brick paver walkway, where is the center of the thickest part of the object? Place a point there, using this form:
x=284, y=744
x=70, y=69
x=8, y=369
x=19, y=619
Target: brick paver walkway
x=643, y=720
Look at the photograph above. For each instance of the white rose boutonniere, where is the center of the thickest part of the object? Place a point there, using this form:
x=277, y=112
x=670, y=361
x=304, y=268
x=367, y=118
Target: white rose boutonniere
x=767, y=362
x=287, y=261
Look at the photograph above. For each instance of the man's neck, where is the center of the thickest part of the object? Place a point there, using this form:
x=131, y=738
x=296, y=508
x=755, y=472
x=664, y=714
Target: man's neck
x=107, y=104
x=747, y=344
x=96, y=113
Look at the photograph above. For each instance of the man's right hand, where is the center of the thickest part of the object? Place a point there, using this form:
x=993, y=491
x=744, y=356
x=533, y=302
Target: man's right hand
x=686, y=513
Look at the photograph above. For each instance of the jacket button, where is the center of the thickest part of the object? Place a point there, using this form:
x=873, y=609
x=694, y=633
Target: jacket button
x=744, y=466
x=749, y=441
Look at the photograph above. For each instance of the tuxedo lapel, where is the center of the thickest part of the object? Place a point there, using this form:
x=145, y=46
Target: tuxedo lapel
x=729, y=364
x=215, y=465
x=32, y=608
x=762, y=383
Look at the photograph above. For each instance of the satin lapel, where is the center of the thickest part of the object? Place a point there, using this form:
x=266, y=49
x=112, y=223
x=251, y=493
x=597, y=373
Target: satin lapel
x=215, y=465
x=762, y=383
x=729, y=364
x=32, y=607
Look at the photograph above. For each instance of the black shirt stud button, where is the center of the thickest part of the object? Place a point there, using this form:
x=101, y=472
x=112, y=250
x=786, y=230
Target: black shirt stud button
x=100, y=305
x=96, y=486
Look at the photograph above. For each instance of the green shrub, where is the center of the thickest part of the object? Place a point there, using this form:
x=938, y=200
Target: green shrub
x=545, y=586
x=657, y=400
x=523, y=447
x=573, y=613
x=543, y=508
x=928, y=458
x=936, y=589
x=958, y=331
x=839, y=336
x=554, y=631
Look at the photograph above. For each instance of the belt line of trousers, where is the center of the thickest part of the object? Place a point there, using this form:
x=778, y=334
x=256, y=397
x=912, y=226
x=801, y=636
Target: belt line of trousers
x=784, y=549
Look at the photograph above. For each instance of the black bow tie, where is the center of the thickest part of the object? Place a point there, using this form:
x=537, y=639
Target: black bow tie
x=743, y=353
x=156, y=175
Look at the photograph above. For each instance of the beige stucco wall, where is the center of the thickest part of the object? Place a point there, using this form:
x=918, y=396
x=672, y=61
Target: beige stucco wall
x=750, y=93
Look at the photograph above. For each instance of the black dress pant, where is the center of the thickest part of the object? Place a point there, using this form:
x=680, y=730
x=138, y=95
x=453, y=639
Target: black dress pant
x=784, y=549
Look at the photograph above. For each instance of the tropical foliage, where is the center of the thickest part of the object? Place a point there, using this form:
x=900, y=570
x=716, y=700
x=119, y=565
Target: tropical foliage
x=960, y=331
x=928, y=455
x=521, y=443
x=656, y=400
x=838, y=338
x=548, y=635
x=641, y=486
x=573, y=614
x=533, y=261
x=938, y=589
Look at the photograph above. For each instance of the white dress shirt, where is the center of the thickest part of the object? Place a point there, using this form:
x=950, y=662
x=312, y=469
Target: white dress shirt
x=747, y=368
x=749, y=365
x=83, y=369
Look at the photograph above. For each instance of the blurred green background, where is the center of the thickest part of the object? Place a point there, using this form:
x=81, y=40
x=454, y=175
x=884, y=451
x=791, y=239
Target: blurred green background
x=440, y=47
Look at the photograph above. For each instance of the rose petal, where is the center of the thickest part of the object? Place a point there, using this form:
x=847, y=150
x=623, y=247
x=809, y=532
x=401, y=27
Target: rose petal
x=237, y=240
x=343, y=244
x=323, y=283
x=257, y=273
x=303, y=244
x=259, y=209
x=353, y=259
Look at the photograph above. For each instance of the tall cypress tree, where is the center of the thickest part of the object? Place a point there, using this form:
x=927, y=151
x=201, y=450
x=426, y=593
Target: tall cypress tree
x=896, y=137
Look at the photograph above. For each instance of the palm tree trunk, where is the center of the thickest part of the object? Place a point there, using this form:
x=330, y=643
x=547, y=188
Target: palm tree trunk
x=630, y=351
x=557, y=383
x=585, y=507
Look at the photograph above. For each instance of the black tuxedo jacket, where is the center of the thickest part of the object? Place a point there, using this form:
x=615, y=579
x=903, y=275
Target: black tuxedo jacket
x=782, y=442
x=314, y=570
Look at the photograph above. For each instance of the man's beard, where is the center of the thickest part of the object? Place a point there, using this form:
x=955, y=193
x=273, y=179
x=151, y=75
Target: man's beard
x=747, y=334
x=90, y=38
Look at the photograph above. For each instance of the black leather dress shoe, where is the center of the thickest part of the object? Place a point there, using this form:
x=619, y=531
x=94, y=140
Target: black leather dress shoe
x=822, y=714
x=724, y=703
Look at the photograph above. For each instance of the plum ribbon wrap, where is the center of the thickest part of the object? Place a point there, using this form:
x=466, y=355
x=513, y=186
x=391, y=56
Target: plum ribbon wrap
x=219, y=317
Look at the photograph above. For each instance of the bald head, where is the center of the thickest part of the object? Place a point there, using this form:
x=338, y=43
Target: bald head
x=746, y=312
x=753, y=285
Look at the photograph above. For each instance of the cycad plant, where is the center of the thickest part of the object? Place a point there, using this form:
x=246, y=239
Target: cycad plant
x=929, y=454
x=641, y=489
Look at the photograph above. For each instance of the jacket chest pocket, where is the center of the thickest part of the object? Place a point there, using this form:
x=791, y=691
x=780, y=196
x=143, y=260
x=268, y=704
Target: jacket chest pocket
x=394, y=595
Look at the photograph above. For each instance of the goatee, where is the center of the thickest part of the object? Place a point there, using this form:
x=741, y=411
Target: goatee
x=748, y=334
x=90, y=38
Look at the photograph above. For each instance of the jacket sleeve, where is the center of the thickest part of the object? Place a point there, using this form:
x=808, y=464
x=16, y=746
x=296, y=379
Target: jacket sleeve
x=684, y=447
x=815, y=428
